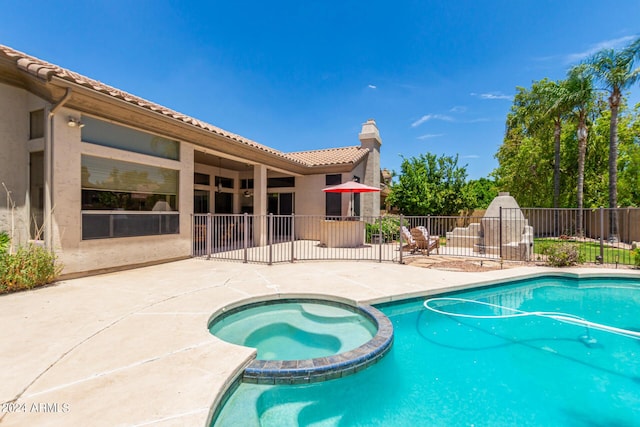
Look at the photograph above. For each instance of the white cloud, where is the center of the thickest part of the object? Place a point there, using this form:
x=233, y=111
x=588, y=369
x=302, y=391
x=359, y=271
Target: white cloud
x=606, y=44
x=458, y=109
x=428, y=117
x=430, y=135
x=471, y=156
x=491, y=95
x=372, y=87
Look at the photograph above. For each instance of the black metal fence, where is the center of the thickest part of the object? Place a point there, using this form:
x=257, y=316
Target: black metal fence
x=604, y=236
x=288, y=238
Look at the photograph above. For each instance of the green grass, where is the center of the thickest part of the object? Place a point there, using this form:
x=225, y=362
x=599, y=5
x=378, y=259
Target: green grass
x=590, y=250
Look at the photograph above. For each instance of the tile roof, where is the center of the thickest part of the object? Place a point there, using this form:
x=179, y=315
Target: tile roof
x=330, y=156
x=45, y=71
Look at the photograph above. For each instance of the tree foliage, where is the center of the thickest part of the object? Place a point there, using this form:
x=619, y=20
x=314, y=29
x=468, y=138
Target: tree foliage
x=481, y=192
x=629, y=159
x=526, y=157
x=615, y=69
x=569, y=121
x=430, y=185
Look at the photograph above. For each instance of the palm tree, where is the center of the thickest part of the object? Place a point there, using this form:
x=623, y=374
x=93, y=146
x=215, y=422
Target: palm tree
x=555, y=104
x=615, y=70
x=547, y=101
x=579, y=96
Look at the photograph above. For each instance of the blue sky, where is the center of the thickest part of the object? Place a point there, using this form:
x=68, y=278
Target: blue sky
x=437, y=76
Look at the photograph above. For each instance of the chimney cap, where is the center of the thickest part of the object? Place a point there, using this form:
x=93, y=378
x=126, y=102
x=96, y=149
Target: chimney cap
x=370, y=132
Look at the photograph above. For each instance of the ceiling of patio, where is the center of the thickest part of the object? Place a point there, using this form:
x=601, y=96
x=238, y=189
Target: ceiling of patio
x=221, y=162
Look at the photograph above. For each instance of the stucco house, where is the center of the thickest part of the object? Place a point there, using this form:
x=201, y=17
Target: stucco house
x=109, y=180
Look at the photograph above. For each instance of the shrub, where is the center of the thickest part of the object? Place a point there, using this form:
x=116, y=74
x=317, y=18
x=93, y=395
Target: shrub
x=5, y=240
x=29, y=267
x=542, y=247
x=563, y=255
x=636, y=257
x=390, y=227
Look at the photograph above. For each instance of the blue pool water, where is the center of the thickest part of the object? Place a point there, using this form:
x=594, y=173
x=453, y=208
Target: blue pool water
x=452, y=371
x=295, y=330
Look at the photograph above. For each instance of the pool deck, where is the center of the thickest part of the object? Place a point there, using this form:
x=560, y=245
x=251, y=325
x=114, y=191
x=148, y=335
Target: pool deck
x=132, y=348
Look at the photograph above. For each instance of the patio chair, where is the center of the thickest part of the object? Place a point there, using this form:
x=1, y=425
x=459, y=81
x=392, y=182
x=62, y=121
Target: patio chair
x=407, y=238
x=424, y=241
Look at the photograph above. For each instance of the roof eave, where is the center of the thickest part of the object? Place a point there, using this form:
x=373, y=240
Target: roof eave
x=92, y=102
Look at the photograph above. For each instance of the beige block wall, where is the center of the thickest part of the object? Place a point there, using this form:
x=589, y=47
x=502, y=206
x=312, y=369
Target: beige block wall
x=370, y=175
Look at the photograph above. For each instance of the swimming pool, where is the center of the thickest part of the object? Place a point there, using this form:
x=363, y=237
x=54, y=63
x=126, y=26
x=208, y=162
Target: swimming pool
x=295, y=328
x=305, y=340
x=449, y=371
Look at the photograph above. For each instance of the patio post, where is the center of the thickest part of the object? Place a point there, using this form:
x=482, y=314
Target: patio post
x=500, y=239
x=293, y=234
x=209, y=232
x=601, y=235
x=270, y=239
x=400, y=233
x=380, y=238
x=245, y=233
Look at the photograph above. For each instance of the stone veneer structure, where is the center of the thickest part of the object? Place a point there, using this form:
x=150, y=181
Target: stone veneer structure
x=503, y=231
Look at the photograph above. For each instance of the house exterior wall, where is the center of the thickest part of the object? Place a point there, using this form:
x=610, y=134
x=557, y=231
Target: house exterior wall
x=15, y=145
x=309, y=195
x=309, y=201
x=79, y=256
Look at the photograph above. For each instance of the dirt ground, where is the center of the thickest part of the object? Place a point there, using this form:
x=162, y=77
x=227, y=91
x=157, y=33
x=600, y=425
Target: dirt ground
x=450, y=263
x=474, y=265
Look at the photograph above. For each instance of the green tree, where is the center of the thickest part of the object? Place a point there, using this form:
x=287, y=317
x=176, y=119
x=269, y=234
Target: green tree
x=596, y=175
x=430, y=185
x=629, y=159
x=615, y=69
x=552, y=100
x=526, y=158
x=567, y=129
x=481, y=192
x=579, y=96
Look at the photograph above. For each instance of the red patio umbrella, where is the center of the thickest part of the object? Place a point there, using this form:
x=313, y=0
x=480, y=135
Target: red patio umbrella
x=350, y=187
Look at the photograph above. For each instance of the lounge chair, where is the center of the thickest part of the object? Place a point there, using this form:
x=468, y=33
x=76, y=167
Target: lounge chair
x=407, y=238
x=424, y=241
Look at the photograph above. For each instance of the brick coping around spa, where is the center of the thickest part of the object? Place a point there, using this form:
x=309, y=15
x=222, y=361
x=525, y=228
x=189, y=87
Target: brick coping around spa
x=329, y=367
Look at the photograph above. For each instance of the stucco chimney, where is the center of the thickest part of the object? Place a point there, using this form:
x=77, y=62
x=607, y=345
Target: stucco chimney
x=370, y=133
x=370, y=139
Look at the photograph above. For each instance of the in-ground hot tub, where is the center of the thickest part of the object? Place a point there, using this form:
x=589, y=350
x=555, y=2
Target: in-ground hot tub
x=302, y=340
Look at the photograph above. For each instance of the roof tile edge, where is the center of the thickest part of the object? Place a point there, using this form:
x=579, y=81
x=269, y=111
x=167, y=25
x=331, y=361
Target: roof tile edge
x=46, y=71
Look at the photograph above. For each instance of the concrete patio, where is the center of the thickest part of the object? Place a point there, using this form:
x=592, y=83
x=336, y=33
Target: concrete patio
x=132, y=348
